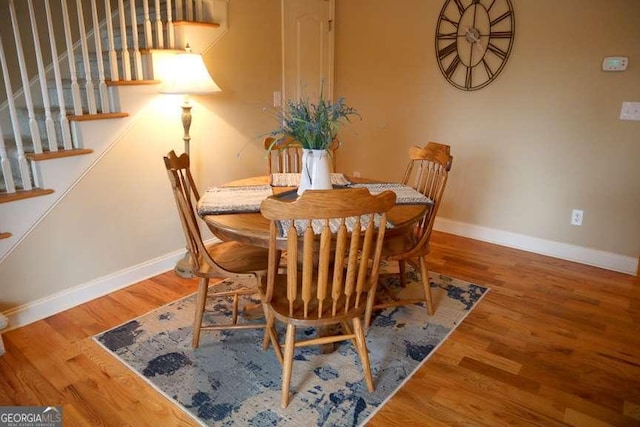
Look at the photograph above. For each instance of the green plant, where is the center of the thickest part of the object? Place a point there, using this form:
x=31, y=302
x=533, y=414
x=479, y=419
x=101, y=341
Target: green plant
x=313, y=125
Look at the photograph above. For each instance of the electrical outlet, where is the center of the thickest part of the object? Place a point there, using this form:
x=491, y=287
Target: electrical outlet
x=576, y=217
x=630, y=111
x=356, y=174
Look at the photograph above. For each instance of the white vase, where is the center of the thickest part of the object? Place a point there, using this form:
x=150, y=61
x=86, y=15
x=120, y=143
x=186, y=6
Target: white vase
x=316, y=171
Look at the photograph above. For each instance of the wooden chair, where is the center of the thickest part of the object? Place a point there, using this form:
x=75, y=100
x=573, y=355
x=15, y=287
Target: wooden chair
x=230, y=260
x=427, y=172
x=286, y=155
x=325, y=282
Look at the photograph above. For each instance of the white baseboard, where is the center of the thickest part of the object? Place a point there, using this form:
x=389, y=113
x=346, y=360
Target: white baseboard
x=607, y=260
x=69, y=298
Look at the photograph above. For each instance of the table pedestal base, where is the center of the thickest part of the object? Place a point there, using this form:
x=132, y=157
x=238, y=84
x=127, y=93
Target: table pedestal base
x=183, y=267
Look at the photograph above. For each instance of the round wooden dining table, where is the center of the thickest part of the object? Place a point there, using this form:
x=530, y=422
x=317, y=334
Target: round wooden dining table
x=253, y=228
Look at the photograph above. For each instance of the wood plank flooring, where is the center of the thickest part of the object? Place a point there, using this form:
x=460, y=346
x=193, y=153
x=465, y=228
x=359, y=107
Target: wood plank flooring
x=553, y=343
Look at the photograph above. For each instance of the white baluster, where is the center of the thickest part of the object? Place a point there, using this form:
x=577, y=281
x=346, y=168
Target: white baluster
x=64, y=122
x=137, y=58
x=102, y=85
x=171, y=33
x=159, y=31
x=75, y=87
x=42, y=76
x=189, y=11
x=33, y=124
x=126, y=61
x=5, y=166
x=199, y=15
x=113, y=57
x=148, y=33
x=23, y=165
x=179, y=13
x=84, y=45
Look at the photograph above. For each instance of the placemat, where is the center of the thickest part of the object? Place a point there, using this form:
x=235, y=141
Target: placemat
x=293, y=179
x=225, y=200
x=405, y=195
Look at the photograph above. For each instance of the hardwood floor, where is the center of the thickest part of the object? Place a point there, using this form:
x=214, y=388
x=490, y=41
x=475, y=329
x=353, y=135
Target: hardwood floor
x=553, y=343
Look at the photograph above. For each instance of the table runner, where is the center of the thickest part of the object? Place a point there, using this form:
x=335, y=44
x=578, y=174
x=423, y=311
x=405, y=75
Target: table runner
x=405, y=195
x=241, y=199
x=247, y=199
x=293, y=179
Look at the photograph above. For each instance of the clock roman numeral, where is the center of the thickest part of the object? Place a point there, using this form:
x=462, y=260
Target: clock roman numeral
x=500, y=34
x=487, y=69
x=460, y=7
x=447, y=36
x=501, y=18
x=447, y=50
x=452, y=67
x=454, y=23
x=497, y=51
x=468, y=82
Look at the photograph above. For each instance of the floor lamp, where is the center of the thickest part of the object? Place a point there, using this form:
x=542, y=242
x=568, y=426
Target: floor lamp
x=186, y=74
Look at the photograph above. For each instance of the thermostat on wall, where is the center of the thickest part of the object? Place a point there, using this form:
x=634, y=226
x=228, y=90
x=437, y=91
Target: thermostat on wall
x=615, y=63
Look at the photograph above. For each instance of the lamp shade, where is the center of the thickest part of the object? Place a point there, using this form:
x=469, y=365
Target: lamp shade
x=186, y=74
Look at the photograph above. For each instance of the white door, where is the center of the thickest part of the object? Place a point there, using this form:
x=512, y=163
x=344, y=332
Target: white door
x=307, y=48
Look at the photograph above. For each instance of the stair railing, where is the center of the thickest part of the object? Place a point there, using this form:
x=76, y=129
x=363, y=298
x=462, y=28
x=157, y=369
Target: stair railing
x=74, y=81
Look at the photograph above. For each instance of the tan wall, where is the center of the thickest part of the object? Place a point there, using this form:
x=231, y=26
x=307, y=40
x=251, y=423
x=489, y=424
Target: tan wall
x=542, y=139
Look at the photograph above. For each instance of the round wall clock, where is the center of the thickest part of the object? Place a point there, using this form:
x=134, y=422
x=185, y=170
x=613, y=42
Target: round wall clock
x=473, y=41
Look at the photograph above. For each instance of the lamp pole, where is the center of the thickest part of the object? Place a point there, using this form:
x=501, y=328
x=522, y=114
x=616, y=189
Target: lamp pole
x=187, y=75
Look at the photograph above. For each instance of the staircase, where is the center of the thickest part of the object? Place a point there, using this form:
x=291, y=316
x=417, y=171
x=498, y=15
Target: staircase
x=74, y=83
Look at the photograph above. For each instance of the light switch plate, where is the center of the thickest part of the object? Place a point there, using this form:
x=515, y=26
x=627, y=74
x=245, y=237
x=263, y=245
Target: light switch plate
x=630, y=111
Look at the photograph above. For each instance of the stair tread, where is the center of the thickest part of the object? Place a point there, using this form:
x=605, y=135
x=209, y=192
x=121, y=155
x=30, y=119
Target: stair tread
x=47, y=155
x=99, y=116
x=132, y=82
x=24, y=194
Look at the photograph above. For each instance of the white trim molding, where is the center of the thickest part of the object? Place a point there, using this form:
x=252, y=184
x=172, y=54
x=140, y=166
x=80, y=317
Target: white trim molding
x=69, y=298
x=594, y=257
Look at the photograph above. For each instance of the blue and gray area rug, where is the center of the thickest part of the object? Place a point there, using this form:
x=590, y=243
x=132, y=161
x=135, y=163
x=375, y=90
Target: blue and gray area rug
x=229, y=380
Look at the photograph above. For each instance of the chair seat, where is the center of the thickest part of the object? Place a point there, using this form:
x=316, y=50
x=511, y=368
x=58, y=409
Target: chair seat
x=235, y=257
x=402, y=247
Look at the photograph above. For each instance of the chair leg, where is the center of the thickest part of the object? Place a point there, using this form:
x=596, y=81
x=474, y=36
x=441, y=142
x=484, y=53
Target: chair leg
x=402, y=271
x=289, y=345
x=348, y=330
x=424, y=276
x=361, y=347
x=234, y=319
x=203, y=288
x=267, y=336
x=270, y=335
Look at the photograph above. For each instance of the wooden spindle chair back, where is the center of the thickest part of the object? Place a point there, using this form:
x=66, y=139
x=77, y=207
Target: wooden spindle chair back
x=285, y=156
x=427, y=172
